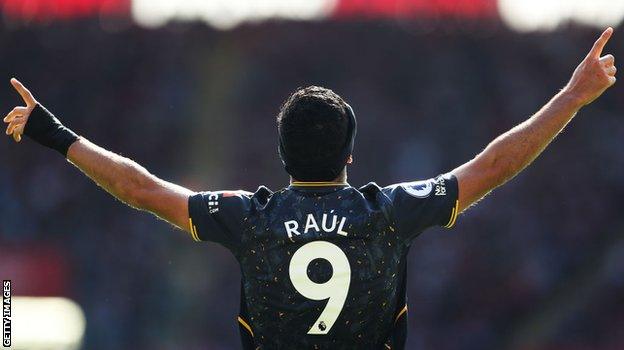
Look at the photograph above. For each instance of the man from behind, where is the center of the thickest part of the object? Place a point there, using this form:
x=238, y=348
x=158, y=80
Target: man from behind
x=323, y=263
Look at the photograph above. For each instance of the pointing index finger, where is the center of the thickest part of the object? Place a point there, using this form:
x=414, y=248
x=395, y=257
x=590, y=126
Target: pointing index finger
x=23, y=91
x=599, y=45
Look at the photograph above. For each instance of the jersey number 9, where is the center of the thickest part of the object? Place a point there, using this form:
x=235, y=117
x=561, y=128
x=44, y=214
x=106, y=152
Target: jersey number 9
x=335, y=290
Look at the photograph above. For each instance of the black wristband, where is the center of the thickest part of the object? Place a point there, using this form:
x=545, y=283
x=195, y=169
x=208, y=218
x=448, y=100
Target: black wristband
x=43, y=128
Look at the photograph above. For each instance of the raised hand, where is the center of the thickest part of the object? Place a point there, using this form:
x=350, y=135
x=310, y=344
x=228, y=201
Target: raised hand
x=18, y=117
x=595, y=74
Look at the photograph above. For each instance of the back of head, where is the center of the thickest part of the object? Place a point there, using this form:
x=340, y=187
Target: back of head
x=316, y=132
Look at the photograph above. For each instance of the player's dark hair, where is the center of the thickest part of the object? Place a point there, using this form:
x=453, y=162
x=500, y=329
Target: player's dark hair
x=316, y=133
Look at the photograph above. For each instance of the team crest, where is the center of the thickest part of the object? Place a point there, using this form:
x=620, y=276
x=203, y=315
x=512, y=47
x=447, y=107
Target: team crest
x=419, y=189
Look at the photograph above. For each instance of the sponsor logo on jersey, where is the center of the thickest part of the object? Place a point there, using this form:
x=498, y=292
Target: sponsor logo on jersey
x=419, y=189
x=440, y=188
x=213, y=203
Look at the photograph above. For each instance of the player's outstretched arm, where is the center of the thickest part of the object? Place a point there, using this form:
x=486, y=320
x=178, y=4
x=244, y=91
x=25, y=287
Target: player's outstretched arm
x=511, y=152
x=120, y=176
x=131, y=183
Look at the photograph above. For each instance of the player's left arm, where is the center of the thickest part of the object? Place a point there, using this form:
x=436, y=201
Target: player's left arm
x=514, y=150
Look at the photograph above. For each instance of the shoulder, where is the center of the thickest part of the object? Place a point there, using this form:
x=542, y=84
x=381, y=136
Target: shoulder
x=262, y=195
x=418, y=189
x=215, y=200
x=371, y=191
x=376, y=196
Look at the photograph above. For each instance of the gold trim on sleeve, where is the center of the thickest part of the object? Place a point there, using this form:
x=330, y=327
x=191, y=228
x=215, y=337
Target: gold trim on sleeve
x=246, y=325
x=401, y=313
x=193, y=232
x=454, y=214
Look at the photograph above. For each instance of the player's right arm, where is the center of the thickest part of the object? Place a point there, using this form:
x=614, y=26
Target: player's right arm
x=514, y=150
x=120, y=176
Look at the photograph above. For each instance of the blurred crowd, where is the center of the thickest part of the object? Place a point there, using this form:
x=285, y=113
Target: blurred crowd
x=538, y=264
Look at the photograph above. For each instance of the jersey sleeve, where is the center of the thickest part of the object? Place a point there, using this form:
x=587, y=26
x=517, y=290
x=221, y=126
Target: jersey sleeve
x=219, y=216
x=422, y=204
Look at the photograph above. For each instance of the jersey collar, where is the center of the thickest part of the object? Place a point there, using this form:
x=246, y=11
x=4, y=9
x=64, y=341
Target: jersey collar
x=317, y=185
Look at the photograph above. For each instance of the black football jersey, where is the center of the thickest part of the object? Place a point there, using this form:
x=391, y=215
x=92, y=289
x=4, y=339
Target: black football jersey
x=323, y=264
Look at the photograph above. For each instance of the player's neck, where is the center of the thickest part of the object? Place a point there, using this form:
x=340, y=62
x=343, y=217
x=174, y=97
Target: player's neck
x=341, y=179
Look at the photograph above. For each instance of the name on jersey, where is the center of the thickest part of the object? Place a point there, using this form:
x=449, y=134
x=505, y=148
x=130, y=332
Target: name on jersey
x=328, y=223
